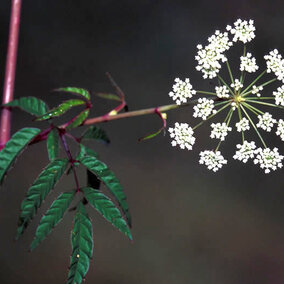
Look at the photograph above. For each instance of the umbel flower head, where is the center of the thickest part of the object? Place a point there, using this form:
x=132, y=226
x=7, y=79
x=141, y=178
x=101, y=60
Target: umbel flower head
x=248, y=102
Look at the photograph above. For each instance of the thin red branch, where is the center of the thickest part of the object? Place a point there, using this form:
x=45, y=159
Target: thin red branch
x=10, y=71
x=71, y=160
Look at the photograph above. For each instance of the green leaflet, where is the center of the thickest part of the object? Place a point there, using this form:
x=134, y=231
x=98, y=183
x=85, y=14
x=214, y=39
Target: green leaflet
x=150, y=136
x=79, y=119
x=52, y=217
x=106, y=96
x=53, y=144
x=82, y=246
x=31, y=105
x=108, y=178
x=14, y=147
x=38, y=191
x=97, y=133
x=76, y=91
x=85, y=151
x=107, y=208
x=61, y=109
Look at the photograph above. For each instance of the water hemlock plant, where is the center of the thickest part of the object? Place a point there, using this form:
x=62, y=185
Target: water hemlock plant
x=236, y=97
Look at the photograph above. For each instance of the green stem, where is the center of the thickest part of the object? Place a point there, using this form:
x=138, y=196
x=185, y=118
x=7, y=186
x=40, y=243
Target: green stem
x=263, y=103
x=212, y=115
x=240, y=117
x=262, y=85
x=243, y=72
x=260, y=137
x=222, y=80
x=227, y=120
x=206, y=93
x=230, y=71
x=255, y=110
x=261, y=98
x=253, y=82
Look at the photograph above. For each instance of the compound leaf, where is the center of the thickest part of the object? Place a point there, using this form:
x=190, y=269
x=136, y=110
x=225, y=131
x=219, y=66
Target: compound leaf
x=96, y=133
x=61, y=109
x=108, y=178
x=79, y=119
x=53, y=144
x=38, y=191
x=31, y=105
x=107, y=208
x=76, y=91
x=82, y=246
x=52, y=217
x=14, y=147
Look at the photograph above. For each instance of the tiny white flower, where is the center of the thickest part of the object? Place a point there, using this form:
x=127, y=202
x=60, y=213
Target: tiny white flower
x=242, y=30
x=279, y=96
x=209, y=62
x=266, y=121
x=220, y=130
x=237, y=85
x=233, y=105
x=268, y=159
x=280, y=129
x=222, y=92
x=245, y=151
x=182, y=90
x=204, y=108
x=220, y=42
x=182, y=135
x=256, y=90
x=248, y=63
x=211, y=56
x=243, y=125
x=275, y=64
x=213, y=160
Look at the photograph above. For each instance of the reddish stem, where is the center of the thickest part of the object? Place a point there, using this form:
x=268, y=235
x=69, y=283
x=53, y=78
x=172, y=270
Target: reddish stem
x=71, y=160
x=10, y=71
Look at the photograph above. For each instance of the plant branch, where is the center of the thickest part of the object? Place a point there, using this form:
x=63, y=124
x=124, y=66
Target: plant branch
x=10, y=71
x=71, y=160
x=107, y=117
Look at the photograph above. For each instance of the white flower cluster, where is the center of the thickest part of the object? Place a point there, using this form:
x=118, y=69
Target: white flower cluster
x=279, y=96
x=220, y=130
x=256, y=90
x=268, y=159
x=242, y=30
x=182, y=135
x=248, y=63
x=275, y=64
x=204, y=108
x=213, y=160
x=232, y=96
x=182, y=90
x=237, y=85
x=245, y=151
x=266, y=121
x=210, y=56
x=280, y=129
x=222, y=92
x=243, y=125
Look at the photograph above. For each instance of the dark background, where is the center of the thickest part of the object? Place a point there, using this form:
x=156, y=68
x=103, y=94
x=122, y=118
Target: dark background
x=190, y=225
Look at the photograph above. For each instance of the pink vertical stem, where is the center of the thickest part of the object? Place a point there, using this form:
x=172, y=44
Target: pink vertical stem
x=10, y=71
